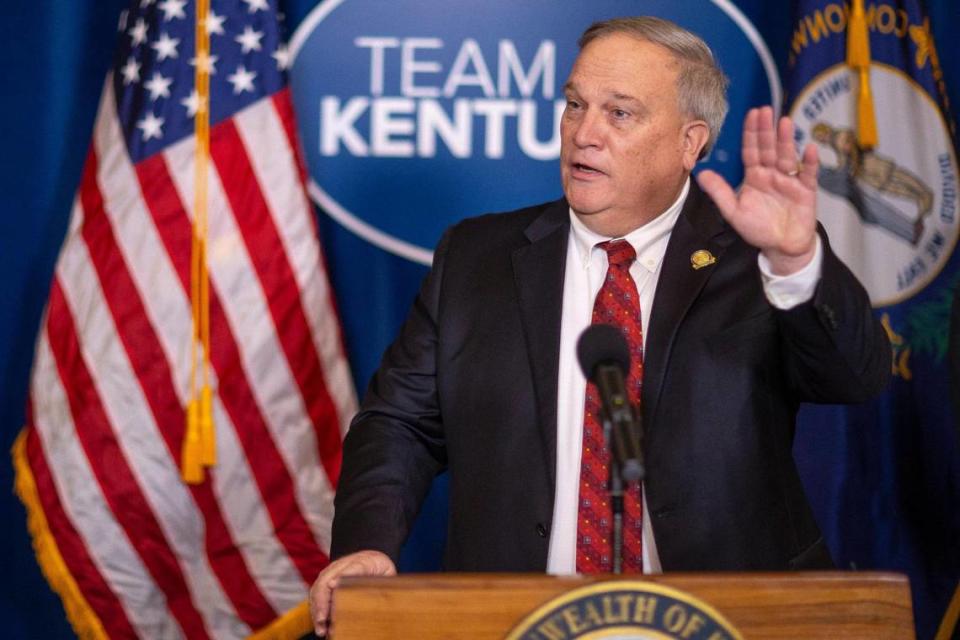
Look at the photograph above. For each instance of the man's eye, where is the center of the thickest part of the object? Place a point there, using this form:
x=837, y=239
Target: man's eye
x=573, y=104
x=620, y=114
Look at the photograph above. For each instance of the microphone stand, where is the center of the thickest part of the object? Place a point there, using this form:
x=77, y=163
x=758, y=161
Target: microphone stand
x=615, y=485
x=616, y=489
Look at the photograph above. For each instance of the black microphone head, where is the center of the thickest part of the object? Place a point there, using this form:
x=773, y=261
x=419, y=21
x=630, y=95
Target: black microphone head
x=602, y=344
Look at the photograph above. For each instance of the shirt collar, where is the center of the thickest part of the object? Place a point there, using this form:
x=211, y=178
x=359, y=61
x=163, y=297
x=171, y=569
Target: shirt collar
x=649, y=240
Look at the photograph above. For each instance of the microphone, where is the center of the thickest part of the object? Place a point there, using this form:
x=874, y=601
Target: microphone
x=605, y=359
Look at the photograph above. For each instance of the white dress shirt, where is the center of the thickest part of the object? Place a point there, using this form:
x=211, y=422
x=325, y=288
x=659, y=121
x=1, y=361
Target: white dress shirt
x=585, y=270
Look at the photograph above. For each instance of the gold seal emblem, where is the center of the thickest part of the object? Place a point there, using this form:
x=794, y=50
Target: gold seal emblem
x=701, y=258
x=625, y=610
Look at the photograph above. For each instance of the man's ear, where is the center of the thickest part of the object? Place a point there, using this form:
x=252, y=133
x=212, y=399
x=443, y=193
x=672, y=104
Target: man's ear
x=695, y=135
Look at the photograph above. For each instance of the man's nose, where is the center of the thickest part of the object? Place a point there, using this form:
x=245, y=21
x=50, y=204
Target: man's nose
x=588, y=132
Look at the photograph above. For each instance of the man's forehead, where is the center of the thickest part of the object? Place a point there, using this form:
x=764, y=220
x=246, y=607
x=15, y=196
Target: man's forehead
x=617, y=93
x=623, y=54
x=622, y=67
x=626, y=44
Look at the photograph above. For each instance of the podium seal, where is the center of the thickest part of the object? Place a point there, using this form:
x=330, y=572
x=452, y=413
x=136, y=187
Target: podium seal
x=625, y=610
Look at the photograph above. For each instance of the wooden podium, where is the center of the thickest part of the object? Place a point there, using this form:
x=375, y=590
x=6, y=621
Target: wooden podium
x=759, y=605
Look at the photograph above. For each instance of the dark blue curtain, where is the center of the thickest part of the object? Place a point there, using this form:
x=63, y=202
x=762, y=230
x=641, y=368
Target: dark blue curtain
x=54, y=56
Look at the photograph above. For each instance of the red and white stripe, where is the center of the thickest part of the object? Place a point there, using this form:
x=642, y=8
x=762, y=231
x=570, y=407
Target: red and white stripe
x=155, y=557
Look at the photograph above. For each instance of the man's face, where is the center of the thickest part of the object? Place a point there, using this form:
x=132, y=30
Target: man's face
x=625, y=147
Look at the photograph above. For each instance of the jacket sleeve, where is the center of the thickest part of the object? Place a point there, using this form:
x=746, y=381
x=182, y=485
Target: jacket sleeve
x=836, y=350
x=395, y=445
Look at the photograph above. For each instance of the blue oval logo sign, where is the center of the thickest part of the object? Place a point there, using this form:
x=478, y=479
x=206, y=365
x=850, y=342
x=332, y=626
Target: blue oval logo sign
x=417, y=113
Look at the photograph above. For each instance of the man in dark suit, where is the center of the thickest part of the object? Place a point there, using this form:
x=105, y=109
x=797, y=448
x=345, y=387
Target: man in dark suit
x=745, y=311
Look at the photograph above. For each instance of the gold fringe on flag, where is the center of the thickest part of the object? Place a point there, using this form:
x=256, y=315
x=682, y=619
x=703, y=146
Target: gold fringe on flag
x=199, y=442
x=295, y=623
x=82, y=618
x=858, y=59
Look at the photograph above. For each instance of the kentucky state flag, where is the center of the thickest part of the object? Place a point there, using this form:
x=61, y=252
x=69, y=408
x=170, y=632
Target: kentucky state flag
x=865, y=85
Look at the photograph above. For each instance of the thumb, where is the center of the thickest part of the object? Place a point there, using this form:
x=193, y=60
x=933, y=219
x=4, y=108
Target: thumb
x=719, y=191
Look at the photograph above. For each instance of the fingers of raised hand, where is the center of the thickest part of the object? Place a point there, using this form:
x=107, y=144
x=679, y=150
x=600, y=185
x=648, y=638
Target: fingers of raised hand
x=786, y=154
x=750, y=151
x=766, y=137
x=772, y=146
x=759, y=138
x=809, y=165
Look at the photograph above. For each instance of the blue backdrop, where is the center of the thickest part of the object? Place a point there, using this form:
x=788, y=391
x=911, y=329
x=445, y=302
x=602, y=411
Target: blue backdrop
x=54, y=56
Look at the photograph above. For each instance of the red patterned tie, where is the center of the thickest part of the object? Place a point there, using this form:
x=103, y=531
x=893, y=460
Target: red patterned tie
x=617, y=304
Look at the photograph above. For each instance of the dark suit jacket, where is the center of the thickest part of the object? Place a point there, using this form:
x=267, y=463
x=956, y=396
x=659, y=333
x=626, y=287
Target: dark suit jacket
x=470, y=385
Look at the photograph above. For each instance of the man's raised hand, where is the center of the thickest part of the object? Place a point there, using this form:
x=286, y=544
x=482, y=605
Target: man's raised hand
x=775, y=208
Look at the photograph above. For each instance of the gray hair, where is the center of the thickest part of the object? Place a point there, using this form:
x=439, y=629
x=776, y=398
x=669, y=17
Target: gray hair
x=701, y=84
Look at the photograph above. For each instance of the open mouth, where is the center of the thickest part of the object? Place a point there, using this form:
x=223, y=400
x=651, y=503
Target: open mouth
x=585, y=168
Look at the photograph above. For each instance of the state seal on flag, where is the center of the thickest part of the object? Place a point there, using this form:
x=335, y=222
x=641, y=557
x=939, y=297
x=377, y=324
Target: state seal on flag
x=891, y=210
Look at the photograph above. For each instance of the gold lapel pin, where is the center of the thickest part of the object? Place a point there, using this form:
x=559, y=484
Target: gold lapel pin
x=701, y=258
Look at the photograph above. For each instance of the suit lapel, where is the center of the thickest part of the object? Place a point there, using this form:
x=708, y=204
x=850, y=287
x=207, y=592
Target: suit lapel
x=699, y=226
x=539, y=269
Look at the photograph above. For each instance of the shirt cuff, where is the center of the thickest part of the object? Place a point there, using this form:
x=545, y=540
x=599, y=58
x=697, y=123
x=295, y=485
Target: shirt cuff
x=786, y=292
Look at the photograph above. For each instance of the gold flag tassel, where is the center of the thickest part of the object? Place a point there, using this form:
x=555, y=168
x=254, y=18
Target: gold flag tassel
x=199, y=442
x=858, y=59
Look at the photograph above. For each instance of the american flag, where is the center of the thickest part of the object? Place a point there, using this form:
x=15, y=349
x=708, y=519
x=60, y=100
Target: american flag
x=131, y=549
